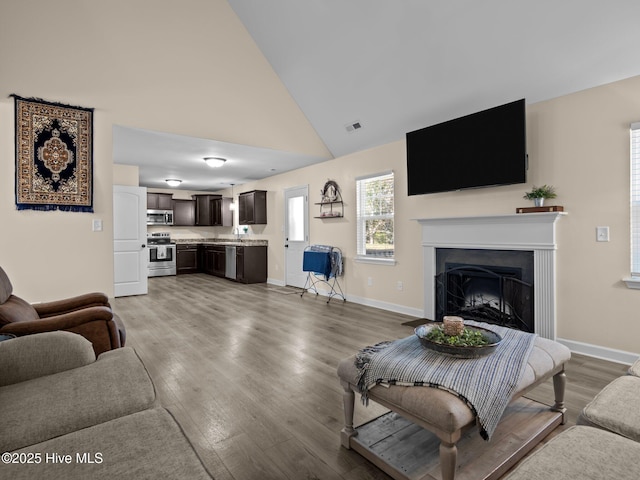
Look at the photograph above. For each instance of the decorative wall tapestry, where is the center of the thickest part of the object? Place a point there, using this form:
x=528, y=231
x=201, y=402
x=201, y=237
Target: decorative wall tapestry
x=54, y=156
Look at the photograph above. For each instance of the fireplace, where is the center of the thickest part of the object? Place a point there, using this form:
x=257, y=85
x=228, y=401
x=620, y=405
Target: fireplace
x=532, y=234
x=493, y=286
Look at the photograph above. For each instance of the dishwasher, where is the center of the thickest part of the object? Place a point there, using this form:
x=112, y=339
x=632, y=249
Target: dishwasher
x=230, y=262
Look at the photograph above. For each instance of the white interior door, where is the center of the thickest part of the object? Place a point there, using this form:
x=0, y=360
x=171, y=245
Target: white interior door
x=130, y=262
x=296, y=233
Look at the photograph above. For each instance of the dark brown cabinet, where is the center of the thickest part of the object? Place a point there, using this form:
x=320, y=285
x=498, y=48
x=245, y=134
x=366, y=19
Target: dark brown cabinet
x=252, y=208
x=186, y=258
x=251, y=264
x=159, y=201
x=213, y=259
x=204, y=209
x=222, y=214
x=184, y=213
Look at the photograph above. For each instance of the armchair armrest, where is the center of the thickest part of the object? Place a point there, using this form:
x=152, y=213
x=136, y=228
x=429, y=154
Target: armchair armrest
x=72, y=304
x=33, y=356
x=65, y=321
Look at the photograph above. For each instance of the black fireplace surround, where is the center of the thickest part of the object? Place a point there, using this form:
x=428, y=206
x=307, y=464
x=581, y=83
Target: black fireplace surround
x=493, y=286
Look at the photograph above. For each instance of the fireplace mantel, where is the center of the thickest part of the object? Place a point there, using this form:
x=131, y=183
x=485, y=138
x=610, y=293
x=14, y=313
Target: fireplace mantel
x=526, y=231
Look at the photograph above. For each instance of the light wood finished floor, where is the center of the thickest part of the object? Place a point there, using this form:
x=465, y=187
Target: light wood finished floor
x=249, y=371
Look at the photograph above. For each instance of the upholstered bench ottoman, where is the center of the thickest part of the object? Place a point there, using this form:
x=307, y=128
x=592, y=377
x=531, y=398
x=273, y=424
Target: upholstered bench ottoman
x=443, y=413
x=615, y=408
x=581, y=452
x=635, y=368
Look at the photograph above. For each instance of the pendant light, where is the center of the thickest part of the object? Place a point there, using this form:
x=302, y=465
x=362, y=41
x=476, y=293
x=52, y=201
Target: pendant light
x=232, y=205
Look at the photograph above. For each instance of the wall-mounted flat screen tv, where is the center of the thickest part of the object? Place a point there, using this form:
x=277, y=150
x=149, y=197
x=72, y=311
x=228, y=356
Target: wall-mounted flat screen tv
x=484, y=149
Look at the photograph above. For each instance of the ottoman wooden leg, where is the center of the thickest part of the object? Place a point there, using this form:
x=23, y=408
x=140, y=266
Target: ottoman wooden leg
x=348, y=399
x=448, y=460
x=559, y=384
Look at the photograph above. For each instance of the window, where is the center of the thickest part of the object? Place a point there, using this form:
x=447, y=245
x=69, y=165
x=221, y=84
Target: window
x=635, y=199
x=374, y=218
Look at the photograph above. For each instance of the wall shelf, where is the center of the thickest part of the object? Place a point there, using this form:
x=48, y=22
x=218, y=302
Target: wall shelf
x=331, y=205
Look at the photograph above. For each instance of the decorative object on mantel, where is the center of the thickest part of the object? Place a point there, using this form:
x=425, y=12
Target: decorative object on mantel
x=54, y=156
x=550, y=208
x=538, y=194
x=329, y=196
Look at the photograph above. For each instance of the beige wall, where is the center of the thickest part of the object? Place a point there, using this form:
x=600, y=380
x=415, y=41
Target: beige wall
x=578, y=142
x=134, y=62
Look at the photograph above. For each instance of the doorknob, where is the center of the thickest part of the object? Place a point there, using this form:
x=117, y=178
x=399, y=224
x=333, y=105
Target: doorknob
x=286, y=246
x=142, y=246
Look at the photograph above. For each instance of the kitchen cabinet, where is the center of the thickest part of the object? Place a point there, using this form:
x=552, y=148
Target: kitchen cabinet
x=186, y=258
x=251, y=264
x=184, y=213
x=222, y=214
x=204, y=209
x=252, y=208
x=213, y=259
x=159, y=201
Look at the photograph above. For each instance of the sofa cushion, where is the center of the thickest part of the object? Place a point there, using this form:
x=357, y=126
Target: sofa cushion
x=615, y=408
x=635, y=368
x=579, y=453
x=24, y=358
x=36, y=410
x=145, y=445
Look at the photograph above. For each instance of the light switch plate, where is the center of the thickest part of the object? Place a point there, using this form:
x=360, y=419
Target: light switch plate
x=97, y=225
x=602, y=234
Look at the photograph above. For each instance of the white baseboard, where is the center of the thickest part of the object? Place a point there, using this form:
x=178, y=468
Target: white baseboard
x=274, y=281
x=604, y=353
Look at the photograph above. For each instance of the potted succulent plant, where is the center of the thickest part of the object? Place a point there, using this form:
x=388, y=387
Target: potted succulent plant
x=538, y=194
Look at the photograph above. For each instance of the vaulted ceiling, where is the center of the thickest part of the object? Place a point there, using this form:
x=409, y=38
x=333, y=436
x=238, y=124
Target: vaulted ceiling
x=391, y=67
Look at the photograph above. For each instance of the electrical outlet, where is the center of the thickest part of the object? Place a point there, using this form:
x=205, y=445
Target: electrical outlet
x=602, y=234
x=370, y=281
x=399, y=285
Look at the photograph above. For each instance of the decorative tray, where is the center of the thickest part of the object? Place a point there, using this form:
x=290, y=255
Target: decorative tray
x=456, y=350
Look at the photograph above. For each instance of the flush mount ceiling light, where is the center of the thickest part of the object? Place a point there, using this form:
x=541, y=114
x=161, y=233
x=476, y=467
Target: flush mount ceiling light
x=173, y=182
x=214, y=162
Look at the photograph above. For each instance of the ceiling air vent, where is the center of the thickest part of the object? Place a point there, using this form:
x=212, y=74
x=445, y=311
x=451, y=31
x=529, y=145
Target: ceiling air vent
x=353, y=126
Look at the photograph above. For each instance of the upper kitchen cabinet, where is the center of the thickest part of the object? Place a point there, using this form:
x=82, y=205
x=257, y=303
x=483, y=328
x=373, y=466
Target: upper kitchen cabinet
x=204, y=209
x=252, y=207
x=222, y=214
x=184, y=213
x=159, y=201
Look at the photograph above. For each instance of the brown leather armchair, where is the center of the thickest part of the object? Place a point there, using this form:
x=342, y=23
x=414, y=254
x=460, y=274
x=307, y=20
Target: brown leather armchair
x=89, y=315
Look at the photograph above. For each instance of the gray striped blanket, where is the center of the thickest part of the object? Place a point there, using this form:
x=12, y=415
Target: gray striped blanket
x=486, y=384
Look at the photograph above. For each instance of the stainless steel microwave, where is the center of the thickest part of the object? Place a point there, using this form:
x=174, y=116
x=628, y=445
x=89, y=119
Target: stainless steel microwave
x=159, y=217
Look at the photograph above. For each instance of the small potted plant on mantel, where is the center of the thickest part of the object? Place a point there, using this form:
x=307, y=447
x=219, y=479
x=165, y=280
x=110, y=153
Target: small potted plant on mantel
x=538, y=194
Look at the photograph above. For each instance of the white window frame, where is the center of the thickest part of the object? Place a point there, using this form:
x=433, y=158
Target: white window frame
x=361, y=256
x=634, y=280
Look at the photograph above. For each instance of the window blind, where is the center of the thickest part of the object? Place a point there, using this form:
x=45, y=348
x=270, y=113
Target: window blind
x=635, y=199
x=374, y=198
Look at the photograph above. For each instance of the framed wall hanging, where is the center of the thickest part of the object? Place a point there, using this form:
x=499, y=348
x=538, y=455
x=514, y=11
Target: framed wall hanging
x=54, y=156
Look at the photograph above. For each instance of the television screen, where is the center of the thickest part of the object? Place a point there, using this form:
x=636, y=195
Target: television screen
x=486, y=148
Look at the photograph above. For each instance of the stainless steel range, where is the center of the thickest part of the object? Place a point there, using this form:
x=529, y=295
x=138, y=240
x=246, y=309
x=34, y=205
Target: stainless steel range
x=162, y=254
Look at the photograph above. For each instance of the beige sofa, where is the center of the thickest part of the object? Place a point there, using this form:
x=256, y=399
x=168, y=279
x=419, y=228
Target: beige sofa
x=67, y=415
x=604, y=445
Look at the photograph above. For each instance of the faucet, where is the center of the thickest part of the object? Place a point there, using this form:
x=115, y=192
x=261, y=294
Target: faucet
x=236, y=230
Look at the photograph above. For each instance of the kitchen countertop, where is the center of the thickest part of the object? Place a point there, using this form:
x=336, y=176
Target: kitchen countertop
x=222, y=241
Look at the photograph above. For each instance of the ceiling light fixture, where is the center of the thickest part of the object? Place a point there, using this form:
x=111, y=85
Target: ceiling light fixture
x=173, y=182
x=214, y=162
